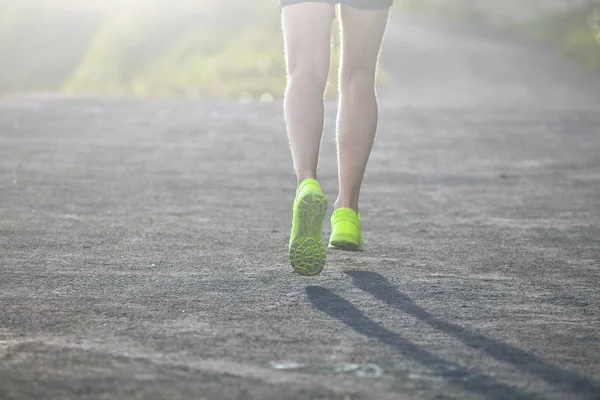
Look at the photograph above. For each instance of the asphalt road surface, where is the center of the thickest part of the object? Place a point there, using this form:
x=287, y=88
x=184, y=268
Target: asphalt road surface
x=143, y=243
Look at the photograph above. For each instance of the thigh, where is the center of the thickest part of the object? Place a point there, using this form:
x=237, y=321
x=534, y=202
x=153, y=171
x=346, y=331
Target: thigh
x=362, y=35
x=307, y=36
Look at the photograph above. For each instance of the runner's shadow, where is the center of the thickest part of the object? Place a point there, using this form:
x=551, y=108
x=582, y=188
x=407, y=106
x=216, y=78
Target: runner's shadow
x=381, y=289
x=344, y=311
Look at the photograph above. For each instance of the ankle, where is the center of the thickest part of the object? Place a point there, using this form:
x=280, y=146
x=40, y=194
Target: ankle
x=346, y=204
x=301, y=177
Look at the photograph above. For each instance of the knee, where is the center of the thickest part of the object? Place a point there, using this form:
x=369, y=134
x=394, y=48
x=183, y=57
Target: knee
x=357, y=75
x=308, y=77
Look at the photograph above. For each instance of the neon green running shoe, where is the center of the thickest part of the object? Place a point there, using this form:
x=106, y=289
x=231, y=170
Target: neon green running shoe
x=307, y=251
x=346, y=230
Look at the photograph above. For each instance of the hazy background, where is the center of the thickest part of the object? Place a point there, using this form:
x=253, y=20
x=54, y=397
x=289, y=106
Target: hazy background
x=225, y=48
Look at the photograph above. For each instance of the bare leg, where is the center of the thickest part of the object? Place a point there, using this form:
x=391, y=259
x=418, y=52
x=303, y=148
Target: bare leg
x=362, y=35
x=307, y=36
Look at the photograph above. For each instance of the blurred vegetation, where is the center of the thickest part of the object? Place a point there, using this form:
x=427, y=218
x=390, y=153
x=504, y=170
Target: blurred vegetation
x=218, y=51
x=142, y=48
x=576, y=33
x=573, y=28
x=460, y=10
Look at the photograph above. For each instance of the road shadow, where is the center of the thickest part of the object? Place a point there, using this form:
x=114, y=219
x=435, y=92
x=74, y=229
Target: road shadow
x=341, y=309
x=380, y=288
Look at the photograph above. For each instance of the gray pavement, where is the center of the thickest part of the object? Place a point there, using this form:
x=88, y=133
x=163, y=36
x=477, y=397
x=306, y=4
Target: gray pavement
x=143, y=243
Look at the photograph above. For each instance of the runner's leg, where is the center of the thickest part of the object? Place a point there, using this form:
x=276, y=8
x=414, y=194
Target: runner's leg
x=362, y=35
x=307, y=37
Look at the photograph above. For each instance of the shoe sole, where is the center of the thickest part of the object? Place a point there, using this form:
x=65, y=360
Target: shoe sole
x=307, y=250
x=344, y=245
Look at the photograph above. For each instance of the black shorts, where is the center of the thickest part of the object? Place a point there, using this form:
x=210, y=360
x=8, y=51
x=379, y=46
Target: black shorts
x=362, y=4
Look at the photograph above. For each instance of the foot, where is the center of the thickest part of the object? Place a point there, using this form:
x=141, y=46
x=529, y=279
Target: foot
x=307, y=250
x=346, y=230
